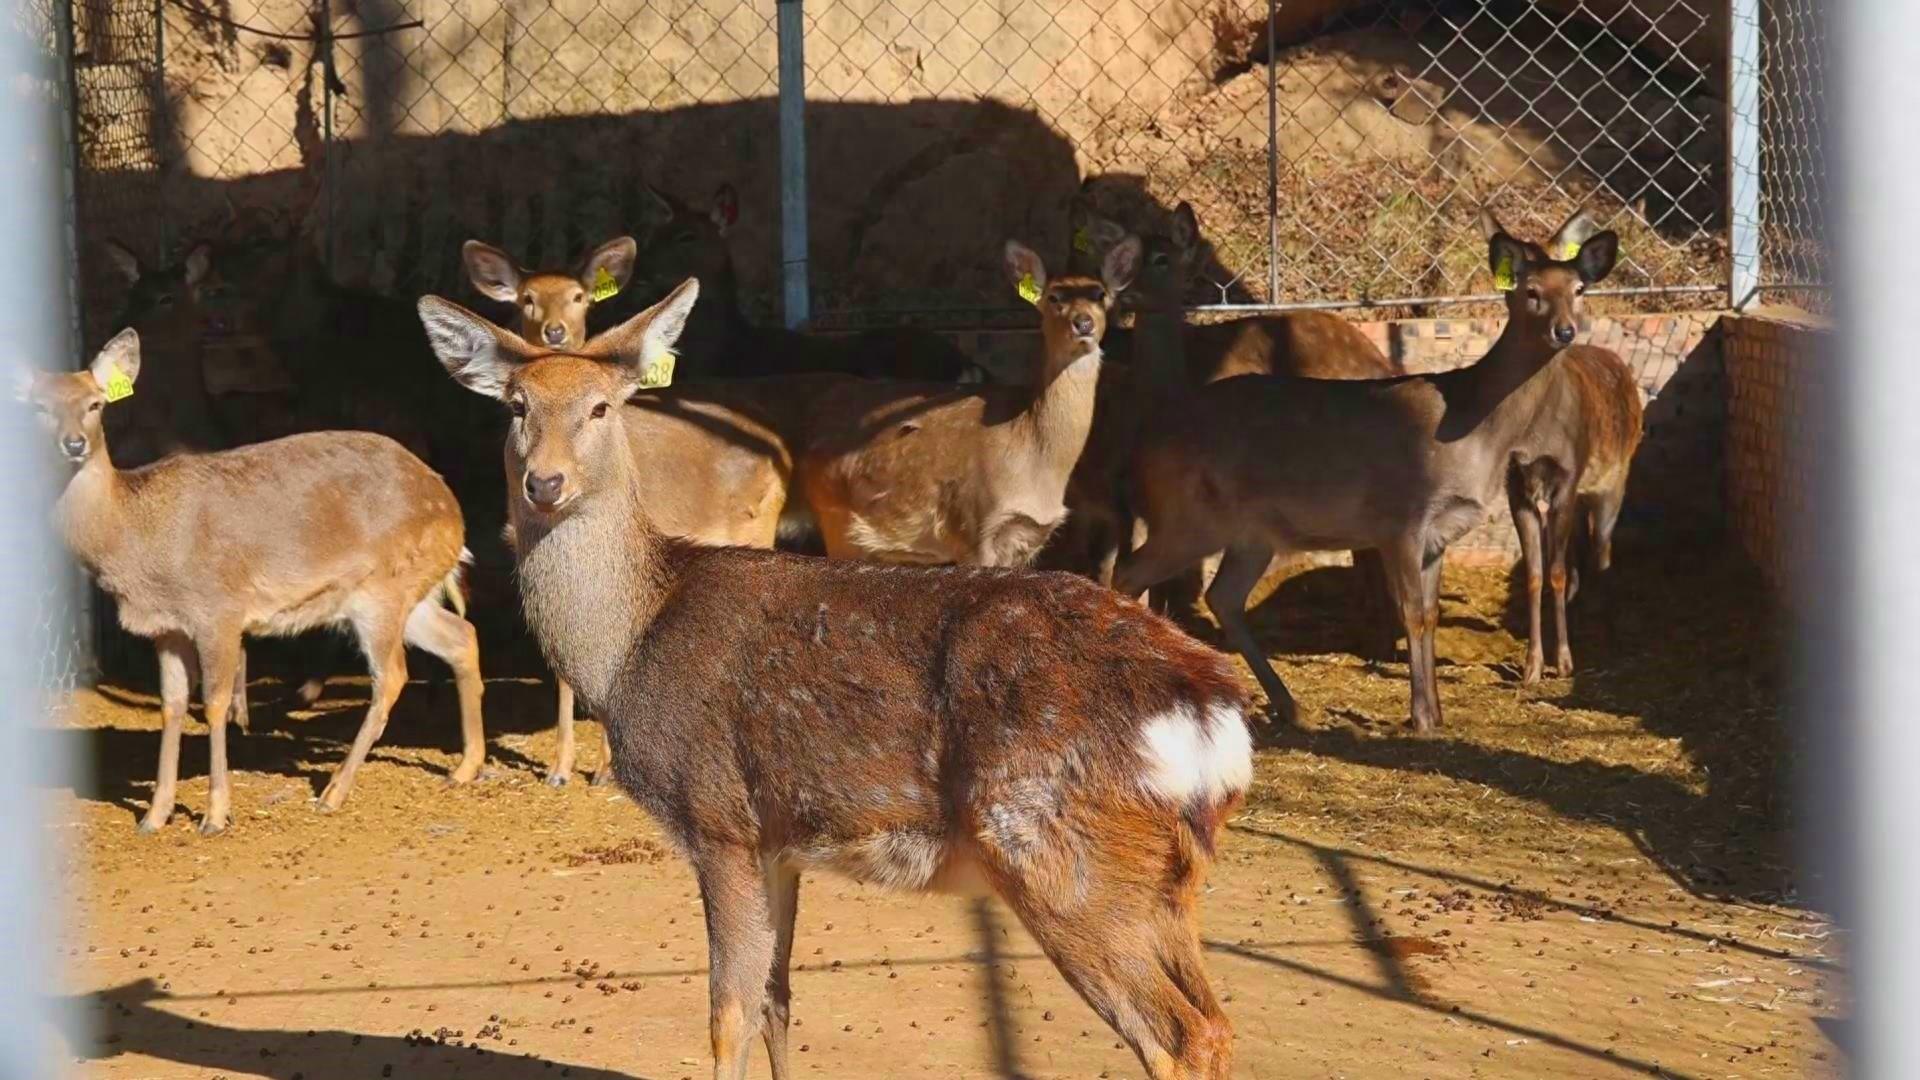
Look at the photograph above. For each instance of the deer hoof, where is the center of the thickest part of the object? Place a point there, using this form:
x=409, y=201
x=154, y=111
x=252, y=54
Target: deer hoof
x=150, y=827
x=557, y=779
x=603, y=777
x=211, y=827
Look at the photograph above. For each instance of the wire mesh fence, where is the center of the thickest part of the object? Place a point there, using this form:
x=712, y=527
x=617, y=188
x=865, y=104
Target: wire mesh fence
x=1792, y=166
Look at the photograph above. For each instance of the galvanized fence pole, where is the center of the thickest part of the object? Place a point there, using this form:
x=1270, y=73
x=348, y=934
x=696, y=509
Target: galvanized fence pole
x=1744, y=223
x=793, y=163
x=1273, y=159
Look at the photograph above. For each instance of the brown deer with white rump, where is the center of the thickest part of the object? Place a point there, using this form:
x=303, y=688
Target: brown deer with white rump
x=1265, y=463
x=719, y=474
x=924, y=728
x=922, y=473
x=1552, y=500
x=324, y=529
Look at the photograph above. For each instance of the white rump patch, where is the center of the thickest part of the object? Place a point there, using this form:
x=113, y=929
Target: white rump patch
x=1195, y=758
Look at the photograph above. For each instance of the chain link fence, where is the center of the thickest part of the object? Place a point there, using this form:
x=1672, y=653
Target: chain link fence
x=1792, y=166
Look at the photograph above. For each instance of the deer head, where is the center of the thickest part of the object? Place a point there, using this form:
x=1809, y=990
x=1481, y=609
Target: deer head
x=552, y=305
x=1545, y=288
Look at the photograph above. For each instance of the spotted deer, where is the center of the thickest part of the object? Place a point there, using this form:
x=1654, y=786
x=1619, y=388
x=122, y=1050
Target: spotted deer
x=924, y=728
x=921, y=473
x=681, y=241
x=722, y=471
x=331, y=528
x=1554, y=501
x=1270, y=463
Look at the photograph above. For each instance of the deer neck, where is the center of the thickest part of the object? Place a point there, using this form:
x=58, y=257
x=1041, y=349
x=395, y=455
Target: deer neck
x=1060, y=413
x=1159, y=350
x=91, y=513
x=1500, y=395
x=591, y=582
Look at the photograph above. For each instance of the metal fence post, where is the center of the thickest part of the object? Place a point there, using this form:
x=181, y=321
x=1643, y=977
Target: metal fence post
x=793, y=163
x=82, y=663
x=327, y=176
x=1743, y=152
x=1273, y=159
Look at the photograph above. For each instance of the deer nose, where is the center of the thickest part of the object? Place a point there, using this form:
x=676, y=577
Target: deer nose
x=554, y=333
x=1083, y=324
x=74, y=446
x=1564, y=334
x=544, y=491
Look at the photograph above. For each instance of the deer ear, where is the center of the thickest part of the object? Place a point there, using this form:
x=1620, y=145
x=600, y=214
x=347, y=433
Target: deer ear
x=479, y=355
x=1024, y=268
x=1120, y=266
x=638, y=342
x=125, y=261
x=120, y=356
x=1186, y=228
x=1597, y=256
x=1507, y=258
x=20, y=380
x=616, y=258
x=655, y=209
x=1102, y=234
x=492, y=271
x=1569, y=237
x=726, y=208
x=198, y=262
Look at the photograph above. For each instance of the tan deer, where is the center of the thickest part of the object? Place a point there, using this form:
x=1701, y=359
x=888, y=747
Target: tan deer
x=721, y=472
x=552, y=305
x=682, y=241
x=1269, y=463
x=920, y=473
x=198, y=550
x=922, y=728
x=1554, y=500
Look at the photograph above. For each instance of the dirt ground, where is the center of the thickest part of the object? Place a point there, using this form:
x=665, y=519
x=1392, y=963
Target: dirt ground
x=1585, y=878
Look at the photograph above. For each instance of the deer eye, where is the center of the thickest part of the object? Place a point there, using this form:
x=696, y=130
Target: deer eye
x=1580, y=289
x=599, y=411
x=518, y=408
x=96, y=405
x=578, y=297
x=1099, y=296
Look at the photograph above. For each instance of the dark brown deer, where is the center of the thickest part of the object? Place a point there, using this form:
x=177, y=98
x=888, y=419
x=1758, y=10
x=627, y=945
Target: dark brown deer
x=198, y=550
x=923, y=473
x=922, y=728
x=681, y=241
x=1553, y=502
x=171, y=306
x=1268, y=463
x=721, y=472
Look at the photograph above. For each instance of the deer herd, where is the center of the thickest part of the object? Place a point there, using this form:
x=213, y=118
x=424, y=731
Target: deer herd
x=921, y=708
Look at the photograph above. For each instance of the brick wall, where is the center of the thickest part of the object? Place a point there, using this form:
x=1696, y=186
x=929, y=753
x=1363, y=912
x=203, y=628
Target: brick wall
x=1775, y=366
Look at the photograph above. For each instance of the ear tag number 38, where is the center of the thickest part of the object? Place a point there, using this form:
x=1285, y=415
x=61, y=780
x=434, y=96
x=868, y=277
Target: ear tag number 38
x=118, y=385
x=658, y=372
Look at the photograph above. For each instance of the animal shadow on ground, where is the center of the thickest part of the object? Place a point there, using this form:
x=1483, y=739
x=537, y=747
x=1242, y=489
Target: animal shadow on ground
x=128, y=1019
x=1682, y=641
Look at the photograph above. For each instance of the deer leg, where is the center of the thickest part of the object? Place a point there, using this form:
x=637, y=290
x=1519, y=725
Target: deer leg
x=563, y=758
x=740, y=951
x=1162, y=556
x=1430, y=629
x=433, y=628
x=1560, y=540
x=176, y=663
x=604, y=774
x=1526, y=522
x=239, y=708
x=1605, y=514
x=1240, y=570
x=1377, y=602
x=386, y=659
x=783, y=903
x=1406, y=577
x=220, y=660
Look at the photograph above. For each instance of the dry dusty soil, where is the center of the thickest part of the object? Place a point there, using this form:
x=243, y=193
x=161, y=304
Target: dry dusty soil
x=1581, y=879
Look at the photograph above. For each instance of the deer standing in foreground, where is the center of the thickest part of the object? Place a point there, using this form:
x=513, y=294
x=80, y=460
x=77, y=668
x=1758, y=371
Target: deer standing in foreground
x=681, y=241
x=1552, y=501
x=1268, y=463
x=922, y=728
x=277, y=538
x=718, y=473
x=920, y=473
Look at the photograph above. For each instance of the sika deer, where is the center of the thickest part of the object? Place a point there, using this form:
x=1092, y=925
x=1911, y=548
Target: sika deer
x=552, y=305
x=727, y=470
x=901, y=472
x=277, y=538
x=1268, y=463
x=1549, y=498
x=168, y=304
x=922, y=728
x=682, y=242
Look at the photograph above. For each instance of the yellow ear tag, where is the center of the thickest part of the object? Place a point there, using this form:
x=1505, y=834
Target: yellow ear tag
x=1082, y=243
x=603, y=285
x=1029, y=289
x=1568, y=251
x=1503, y=278
x=118, y=385
x=659, y=371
